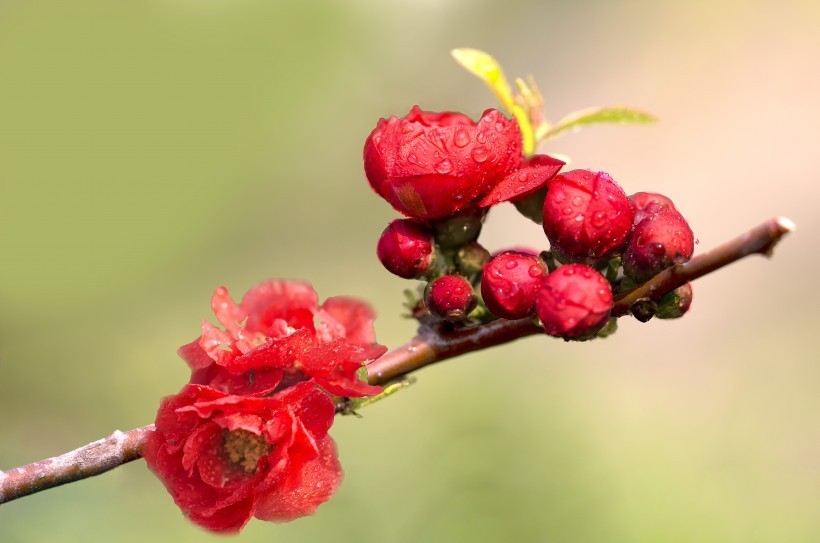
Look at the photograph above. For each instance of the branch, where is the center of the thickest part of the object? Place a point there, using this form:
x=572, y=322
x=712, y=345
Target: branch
x=92, y=459
x=434, y=343
x=759, y=240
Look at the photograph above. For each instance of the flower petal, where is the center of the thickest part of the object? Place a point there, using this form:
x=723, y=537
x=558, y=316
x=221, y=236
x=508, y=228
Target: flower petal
x=531, y=176
x=320, y=479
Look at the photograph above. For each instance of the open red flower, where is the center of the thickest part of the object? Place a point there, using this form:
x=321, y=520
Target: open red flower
x=226, y=458
x=279, y=335
x=431, y=165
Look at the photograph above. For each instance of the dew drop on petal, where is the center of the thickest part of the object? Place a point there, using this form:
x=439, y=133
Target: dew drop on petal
x=598, y=219
x=461, y=138
x=479, y=154
x=577, y=200
x=445, y=166
x=567, y=211
x=510, y=264
x=536, y=271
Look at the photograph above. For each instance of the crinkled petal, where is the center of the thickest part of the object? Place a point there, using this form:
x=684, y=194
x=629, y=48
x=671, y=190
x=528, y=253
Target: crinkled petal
x=355, y=317
x=274, y=353
x=218, y=344
x=194, y=355
x=227, y=520
x=319, y=480
x=292, y=301
x=227, y=312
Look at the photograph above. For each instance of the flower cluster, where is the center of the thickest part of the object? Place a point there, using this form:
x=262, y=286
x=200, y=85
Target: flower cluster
x=444, y=172
x=248, y=435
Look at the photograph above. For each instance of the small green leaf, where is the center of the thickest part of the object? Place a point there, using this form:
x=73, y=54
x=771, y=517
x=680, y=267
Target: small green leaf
x=389, y=389
x=597, y=115
x=486, y=68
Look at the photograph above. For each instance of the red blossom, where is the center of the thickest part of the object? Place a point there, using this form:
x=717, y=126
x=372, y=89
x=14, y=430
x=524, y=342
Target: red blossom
x=270, y=339
x=431, y=165
x=226, y=458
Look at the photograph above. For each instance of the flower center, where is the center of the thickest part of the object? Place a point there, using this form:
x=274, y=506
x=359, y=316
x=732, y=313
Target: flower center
x=244, y=448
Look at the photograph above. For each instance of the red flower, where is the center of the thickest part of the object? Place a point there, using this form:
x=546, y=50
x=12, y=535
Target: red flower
x=431, y=165
x=225, y=458
x=279, y=335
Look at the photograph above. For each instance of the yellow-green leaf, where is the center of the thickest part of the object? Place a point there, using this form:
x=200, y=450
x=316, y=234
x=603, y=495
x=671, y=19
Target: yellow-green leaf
x=597, y=115
x=486, y=68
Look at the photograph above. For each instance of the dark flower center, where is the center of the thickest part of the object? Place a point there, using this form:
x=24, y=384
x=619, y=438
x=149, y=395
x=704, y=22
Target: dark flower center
x=244, y=449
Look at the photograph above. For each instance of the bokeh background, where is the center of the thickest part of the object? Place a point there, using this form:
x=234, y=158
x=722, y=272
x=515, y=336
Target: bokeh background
x=153, y=150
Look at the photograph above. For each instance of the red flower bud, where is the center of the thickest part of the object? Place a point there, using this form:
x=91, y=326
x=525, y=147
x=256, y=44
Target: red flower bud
x=432, y=165
x=647, y=204
x=587, y=216
x=406, y=248
x=658, y=242
x=574, y=302
x=510, y=284
x=450, y=297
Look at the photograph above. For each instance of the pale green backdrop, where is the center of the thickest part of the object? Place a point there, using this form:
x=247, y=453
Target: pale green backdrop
x=151, y=151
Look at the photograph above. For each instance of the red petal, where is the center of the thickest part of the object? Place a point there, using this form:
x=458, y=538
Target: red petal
x=292, y=301
x=531, y=176
x=320, y=479
x=195, y=355
x=227, y=312
x=275, y=353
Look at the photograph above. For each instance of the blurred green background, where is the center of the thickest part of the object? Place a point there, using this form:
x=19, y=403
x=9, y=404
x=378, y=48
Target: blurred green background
x=153, y=150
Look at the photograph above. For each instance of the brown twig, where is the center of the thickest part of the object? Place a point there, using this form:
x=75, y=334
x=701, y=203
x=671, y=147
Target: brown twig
x=92, y=459
x=434, y=343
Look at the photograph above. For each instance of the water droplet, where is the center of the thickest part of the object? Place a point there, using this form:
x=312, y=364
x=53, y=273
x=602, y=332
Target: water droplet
x=445, y=166
x=559, y=196
x=570, y=322
x=499, y=127
x=481, y=138
x=569, y=271
x=579, y=217
x=459, y=290
x=640, y=242
x=461, y=138
x=577, y=200
x=536, y=271
x=587, y=274
x=407, y=128
x=599, y=219
x=567, y=211
x=657, y=248
x=510, y=264
x=479, y=154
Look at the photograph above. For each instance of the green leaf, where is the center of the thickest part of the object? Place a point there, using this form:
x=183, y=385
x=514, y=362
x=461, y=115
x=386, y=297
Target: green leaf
x=597, y=115
x=389, y=389
x=486, y=68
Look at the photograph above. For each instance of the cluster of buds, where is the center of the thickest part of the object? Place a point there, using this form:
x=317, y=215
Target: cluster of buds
x=444, y=172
